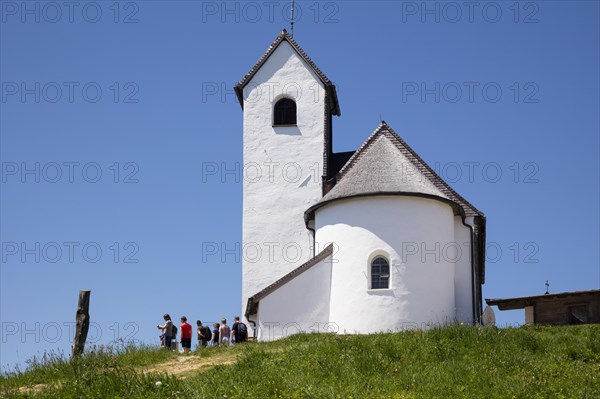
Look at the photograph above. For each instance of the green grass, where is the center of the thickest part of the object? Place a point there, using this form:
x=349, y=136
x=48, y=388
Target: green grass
x=107, y=363
x=451, y=362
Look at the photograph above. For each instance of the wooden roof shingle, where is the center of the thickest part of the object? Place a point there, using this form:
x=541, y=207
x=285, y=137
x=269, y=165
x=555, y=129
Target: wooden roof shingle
x=385, y=165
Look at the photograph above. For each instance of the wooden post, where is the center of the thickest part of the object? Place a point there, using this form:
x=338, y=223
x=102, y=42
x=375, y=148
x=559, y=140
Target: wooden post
x=82, y=319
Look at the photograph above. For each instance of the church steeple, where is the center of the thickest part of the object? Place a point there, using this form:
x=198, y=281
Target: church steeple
x=288, y=103
x=333, y=105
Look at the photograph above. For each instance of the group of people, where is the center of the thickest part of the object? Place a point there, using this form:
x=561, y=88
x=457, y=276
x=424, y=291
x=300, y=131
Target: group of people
x=221, y=334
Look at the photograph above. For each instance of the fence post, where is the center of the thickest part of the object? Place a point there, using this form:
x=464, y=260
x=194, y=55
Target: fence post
x=82, y=320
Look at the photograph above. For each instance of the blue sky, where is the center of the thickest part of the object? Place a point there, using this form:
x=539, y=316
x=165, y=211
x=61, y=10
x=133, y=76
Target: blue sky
x=115, y=109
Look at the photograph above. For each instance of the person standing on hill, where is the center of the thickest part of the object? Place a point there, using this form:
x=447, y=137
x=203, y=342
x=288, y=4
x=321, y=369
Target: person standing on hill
x=186, y=335
x=167, y=329
x=224, y=332
x=239, y=331
x=215, y=335
x=204, y=334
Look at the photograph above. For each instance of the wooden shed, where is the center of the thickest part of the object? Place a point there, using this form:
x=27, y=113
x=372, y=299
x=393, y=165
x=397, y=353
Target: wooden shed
x=579, y=307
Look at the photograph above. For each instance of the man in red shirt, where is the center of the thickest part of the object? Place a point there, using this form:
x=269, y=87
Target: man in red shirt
x=186, y=335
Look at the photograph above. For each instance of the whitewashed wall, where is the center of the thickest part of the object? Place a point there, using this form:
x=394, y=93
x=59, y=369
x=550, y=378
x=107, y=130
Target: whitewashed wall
x=282, y=169
x=422, y=290
x=462, y=270
x=301, y=305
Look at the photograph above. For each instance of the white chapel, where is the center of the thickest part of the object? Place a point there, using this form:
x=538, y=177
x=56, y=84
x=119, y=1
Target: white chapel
x=357, y=242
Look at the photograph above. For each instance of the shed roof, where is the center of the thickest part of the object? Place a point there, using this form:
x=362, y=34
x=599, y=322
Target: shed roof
x=521, y=302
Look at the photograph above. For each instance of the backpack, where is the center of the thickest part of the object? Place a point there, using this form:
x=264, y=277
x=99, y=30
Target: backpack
x=207, y=333
x=173, y=331
x=242, y=331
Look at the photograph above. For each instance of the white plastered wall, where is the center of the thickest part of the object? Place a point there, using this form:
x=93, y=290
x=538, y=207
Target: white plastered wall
x=300, y=305
x=460, y=253
x=282, y=169
x=407, y=229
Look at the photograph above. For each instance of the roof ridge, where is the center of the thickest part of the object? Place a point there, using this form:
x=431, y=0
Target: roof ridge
x=436, y=179
x=385, y=130
x=284, y=35
x=359, y=151
x=262, y=59
x=306, y=57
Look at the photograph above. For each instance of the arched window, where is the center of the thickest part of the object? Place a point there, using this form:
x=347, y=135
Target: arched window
x=380, y=273
x=284, y=112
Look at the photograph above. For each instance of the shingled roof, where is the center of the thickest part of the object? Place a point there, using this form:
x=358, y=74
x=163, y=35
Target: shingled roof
x=386, y=165
x=521, y=302
x=284, y=36
x=252, y=305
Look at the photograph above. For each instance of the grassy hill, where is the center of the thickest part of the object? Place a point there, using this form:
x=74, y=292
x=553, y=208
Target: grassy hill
x=451, y=362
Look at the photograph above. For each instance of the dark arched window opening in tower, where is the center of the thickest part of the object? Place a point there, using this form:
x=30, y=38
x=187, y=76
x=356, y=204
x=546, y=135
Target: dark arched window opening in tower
x=380, y=273
x=284, y=112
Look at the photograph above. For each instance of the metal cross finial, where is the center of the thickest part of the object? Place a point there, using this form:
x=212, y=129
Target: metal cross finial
x=547, y=286
x=292, y=20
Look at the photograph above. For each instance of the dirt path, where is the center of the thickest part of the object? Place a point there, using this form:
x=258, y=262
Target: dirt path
x=183, y=365
x=33, y=389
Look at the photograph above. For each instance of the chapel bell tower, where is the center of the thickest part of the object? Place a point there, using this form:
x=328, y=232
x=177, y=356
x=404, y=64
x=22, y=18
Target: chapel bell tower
x=288, y=104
